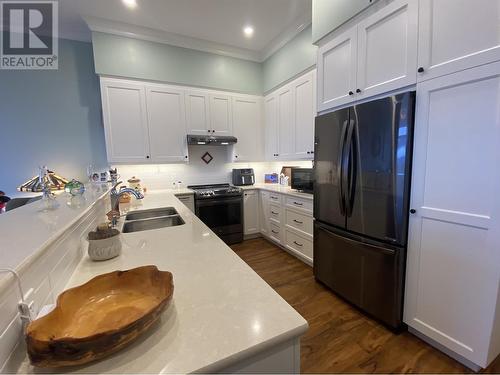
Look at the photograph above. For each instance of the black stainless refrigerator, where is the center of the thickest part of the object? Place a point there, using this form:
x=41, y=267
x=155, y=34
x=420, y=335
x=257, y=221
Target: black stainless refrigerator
x=362, y=168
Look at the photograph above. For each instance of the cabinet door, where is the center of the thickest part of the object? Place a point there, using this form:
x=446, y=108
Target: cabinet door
x=197, y=113
x=452, y=274
x=387, y=49
x=167, y=124
x=264, y=212
x=251, y=212
x=285, y=123
x=221, y=122
x=246, y=128
x=337, y=61
x=456, y=35
x=125, y=121
x=304, y=112
x=271, y=126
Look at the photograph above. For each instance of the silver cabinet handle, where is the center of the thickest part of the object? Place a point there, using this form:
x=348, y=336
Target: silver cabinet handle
x=274, y=197
x=298, y=244
x=274, y=231
x=274, y=213
x=298, y=222
x=298, y=204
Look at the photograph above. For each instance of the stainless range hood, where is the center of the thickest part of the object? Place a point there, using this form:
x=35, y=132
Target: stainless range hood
x=213, y=140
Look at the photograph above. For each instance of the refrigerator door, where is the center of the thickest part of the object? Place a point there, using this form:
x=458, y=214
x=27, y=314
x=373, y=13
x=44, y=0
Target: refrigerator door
x=368, y=275
x=330, y=133
x=380, y=144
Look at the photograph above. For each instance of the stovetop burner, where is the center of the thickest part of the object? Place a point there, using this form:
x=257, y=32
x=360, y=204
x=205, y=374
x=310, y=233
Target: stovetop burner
x=215, y=190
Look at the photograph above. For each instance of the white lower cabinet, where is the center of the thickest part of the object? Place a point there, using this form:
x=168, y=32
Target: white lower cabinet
x=287, y=220
x=299, y=245
x=453, y=272
x=187, y=200
x=250, y=212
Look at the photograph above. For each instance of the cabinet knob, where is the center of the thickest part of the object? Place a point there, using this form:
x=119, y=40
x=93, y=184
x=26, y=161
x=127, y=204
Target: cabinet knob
x=209, y=131
x=235, y=156
x=413, y=211
x=213, y=131
x=420, y=70
x=308, y=152
x=358, y=91
x=351, y=93
x=147, y=156
x=185, y=157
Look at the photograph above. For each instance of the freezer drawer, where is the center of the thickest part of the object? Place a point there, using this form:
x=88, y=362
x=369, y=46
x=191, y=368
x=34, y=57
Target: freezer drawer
x=369, y=276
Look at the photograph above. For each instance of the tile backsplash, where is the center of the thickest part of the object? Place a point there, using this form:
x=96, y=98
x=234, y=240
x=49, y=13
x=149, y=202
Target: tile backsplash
x=163, y=176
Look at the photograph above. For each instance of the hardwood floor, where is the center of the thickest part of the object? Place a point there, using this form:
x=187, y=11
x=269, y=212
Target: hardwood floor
x=340, y=338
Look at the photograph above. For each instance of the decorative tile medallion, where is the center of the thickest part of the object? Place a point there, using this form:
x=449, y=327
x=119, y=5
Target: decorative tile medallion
x=207, y=158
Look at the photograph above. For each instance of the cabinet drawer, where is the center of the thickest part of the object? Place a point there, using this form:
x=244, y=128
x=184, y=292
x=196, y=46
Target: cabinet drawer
x=299, y=244
x=303, y=204
x=276, y=198
x=299, y=221
x=275, y=212
x=275, y=232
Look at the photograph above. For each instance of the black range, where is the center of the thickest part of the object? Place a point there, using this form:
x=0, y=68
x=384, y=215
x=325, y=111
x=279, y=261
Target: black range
x=220, y=207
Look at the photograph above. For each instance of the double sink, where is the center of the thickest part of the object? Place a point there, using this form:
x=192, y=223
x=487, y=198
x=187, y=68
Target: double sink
x=155, y=218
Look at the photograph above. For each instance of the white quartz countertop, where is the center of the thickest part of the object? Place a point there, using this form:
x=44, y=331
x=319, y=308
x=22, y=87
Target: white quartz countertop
x=25, y=231
x=221, y=312
x=277, y=188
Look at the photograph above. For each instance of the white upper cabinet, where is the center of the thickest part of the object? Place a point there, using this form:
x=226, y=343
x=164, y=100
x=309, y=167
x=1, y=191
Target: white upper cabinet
x=289, y=120
x=220, y=115
x=452, y=266
x=305, y=112
x=387, y=49
x=271, y=127
x=198, y=113
x=286, y=122
x=125, y=121
x=377, y=55
x=337, y=64
x=167, y=124
x=456, y=35
x=247, y=119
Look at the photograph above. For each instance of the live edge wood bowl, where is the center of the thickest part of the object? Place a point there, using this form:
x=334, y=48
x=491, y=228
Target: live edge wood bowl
x=99, y=317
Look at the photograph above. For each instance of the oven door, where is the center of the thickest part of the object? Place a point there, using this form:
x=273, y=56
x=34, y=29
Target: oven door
x=223, y=215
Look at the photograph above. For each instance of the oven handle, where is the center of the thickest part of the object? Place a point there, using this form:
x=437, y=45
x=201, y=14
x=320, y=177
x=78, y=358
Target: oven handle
x=211, y=202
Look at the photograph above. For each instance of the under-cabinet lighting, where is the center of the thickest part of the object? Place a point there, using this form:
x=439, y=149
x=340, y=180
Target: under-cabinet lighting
x=130, y=3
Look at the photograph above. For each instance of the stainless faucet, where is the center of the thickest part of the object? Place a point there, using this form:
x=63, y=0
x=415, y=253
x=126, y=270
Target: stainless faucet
x=115, y=199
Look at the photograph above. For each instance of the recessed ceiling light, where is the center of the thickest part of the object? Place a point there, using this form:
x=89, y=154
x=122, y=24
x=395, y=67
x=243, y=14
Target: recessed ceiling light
x=248, y=31
x=130, y=3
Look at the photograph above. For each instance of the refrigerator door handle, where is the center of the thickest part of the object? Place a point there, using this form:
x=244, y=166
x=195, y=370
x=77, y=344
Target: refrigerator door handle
x=350, y=173
x=340, y=168
x=383, y=250
x=346, y=167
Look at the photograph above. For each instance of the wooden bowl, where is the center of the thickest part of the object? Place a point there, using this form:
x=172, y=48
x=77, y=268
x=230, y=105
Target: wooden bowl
x=99, y=317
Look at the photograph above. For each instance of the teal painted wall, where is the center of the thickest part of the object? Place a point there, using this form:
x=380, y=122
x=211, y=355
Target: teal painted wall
x=133, y=58
x=327, y=15
x=293, y=58
x=52, y=118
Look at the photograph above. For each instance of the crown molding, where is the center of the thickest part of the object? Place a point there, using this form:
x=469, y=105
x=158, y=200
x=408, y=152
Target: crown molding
x=164, y=37
x=300, y=23
x=159, y=36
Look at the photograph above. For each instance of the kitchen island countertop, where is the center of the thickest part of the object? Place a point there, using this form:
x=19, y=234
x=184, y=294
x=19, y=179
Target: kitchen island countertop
x=222, y=312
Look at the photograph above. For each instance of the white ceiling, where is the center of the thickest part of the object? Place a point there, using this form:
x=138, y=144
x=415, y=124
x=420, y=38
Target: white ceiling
x=211, y=25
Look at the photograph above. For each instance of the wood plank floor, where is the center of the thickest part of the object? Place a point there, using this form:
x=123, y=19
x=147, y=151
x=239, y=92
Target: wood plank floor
x=340, y=338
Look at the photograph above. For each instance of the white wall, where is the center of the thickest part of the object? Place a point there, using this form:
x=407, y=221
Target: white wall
x=162, y=176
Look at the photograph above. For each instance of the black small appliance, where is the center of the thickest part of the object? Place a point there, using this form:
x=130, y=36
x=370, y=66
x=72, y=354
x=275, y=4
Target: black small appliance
x=302, y=179
x=243, y=177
